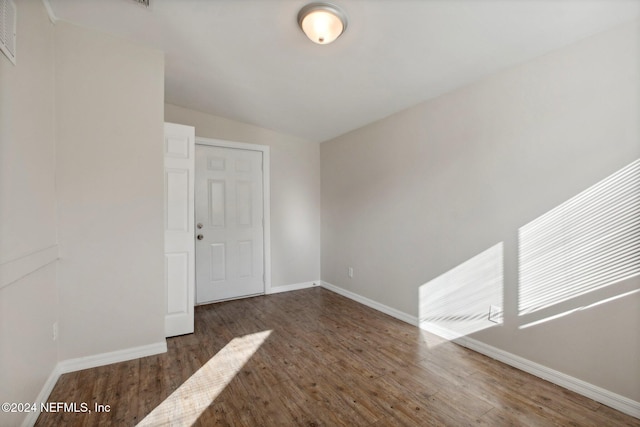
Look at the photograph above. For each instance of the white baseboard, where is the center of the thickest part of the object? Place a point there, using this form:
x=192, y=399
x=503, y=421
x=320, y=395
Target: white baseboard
x=80, y=363
x=438, y=330
x=294, y=287
x=412, y=320
x=32, y=417
x=599, y=394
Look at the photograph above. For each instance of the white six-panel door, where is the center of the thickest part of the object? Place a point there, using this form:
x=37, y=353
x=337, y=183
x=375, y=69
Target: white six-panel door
x=179, y=257
x=229, y=223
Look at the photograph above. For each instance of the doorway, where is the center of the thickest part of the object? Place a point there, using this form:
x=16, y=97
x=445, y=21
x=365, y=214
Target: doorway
x=232, y=221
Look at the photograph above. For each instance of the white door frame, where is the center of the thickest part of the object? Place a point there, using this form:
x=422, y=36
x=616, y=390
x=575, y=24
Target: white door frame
x=266, y=194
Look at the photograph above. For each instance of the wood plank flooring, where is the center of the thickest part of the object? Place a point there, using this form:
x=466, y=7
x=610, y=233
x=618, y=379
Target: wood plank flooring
x=327, y=361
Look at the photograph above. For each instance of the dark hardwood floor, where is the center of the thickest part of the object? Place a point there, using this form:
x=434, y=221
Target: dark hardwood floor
x=316, y=358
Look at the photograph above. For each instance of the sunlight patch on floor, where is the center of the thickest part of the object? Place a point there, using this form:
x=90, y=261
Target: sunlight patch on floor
x=185, y=405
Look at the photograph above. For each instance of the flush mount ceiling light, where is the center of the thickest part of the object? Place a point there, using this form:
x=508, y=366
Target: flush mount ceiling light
x=322, y=22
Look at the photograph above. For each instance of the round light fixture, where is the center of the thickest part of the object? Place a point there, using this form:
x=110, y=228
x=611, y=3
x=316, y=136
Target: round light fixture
x=322, y=22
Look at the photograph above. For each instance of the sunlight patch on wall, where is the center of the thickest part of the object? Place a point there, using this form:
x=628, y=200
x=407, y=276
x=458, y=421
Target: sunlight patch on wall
x=185, y=405
x=461, y=300
x=589, y=242
x=575, y=310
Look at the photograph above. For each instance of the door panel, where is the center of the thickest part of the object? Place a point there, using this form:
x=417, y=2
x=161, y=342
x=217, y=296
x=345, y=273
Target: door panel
x=179, y=158
x=177, y=197
x=230, y=254
x=177, y=271
x=217, y=203
x=218, y=268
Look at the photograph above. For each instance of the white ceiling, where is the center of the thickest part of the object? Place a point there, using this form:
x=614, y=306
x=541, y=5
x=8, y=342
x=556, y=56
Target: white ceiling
x=248, y=60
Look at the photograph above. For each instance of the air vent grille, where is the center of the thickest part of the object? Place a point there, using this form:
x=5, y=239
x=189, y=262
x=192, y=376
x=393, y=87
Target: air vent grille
x=8, y=29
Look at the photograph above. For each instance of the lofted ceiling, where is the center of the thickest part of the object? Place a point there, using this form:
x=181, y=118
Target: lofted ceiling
x=247, y=59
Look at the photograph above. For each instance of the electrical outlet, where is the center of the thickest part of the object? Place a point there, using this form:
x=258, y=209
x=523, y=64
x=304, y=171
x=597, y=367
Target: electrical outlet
x=350, y=272
x=55, y=331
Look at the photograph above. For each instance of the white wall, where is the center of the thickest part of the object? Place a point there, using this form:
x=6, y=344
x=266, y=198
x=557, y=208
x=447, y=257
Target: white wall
x=295, y=191
x=109, y=117
x=414, y=195
x=28, y=305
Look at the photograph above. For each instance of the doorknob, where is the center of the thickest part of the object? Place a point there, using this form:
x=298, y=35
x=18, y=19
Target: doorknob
x=199, y=237
x=199, y=225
